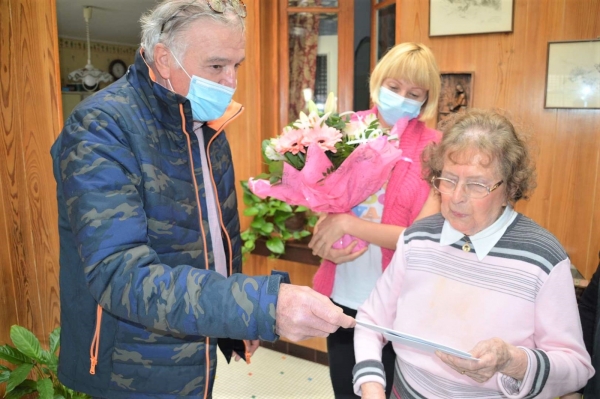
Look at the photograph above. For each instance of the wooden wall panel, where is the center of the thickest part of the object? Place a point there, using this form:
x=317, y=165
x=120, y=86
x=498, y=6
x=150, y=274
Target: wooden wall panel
x=30, y=120
x=244, y=133
x=510, y=71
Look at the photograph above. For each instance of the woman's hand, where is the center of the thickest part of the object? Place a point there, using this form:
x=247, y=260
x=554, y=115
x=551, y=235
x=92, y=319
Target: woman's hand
x=372, y=390
x=329, y=229
x=495, y=356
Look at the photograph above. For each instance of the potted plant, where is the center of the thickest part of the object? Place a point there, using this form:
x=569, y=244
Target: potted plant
x=275, y=221
x=30, y=358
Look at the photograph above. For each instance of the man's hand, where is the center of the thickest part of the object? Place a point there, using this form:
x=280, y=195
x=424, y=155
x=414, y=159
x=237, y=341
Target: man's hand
x=251, y=347
x=303, y=313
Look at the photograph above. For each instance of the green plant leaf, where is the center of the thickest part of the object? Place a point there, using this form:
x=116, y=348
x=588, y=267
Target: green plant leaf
x=26, y=342
x=249, y=245
x=58, y=396
x=13, y=355
x=245, y=235
x=286, y=235
x=52, y=364
x=17, y=376
x=4, y=375
x=276, y=245
x=44, y=387
x=251, y=211
x=266, y=229
x=54, y=340
x=285, y=207
x=4, y=368
x=20, y=391
x=300, y=208
x=257, y=223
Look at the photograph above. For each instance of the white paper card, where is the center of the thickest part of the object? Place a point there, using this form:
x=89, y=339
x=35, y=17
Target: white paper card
x=416, y=342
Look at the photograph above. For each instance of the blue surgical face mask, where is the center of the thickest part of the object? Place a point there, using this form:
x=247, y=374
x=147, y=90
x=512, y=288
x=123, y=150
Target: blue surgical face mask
x=392, y=107
x=209, y=99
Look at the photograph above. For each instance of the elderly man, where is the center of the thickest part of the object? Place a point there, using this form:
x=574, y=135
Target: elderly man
x=149, y=230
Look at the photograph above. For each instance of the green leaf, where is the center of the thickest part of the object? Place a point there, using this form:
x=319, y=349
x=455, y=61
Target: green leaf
x=281, y=217
x=58, y=396
x=44, y=387
x=297, y=161
x=285, y=207
x=18, y=376
x=4, y=368
x=54, y=340
x=245, y=235
x=251, y=211
x=300, y=208
x=26, y=342
x=267, y=228
x=286, y=235
x=53, y=364
x=304, y=233
x=13, y=355
x=4, y=375
x=276, y=245
x=249, y=245
x=20, y=391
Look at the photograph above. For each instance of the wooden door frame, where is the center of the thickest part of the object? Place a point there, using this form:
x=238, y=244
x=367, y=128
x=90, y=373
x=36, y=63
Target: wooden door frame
x=376, y=6
x=345, y=11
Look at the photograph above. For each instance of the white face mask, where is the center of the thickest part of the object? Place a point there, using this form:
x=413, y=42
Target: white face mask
x=209, y=99
x=394, y=107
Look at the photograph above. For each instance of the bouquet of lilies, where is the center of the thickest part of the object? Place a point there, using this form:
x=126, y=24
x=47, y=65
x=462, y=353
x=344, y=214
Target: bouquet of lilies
x=328, y=162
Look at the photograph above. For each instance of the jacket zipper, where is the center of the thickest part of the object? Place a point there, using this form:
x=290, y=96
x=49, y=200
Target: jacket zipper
x=95, y=346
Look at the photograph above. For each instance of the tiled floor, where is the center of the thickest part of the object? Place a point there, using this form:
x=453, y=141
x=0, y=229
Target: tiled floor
x=272, y=375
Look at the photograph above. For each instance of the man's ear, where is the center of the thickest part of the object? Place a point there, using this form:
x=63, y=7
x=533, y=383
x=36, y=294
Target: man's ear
x=162, y=61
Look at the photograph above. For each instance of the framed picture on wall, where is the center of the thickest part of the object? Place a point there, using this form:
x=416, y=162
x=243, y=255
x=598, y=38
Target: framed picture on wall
x=573, y=74
x=456, y=94
x=467, y=17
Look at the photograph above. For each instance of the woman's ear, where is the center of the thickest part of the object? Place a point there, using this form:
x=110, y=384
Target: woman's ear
x=162, y=61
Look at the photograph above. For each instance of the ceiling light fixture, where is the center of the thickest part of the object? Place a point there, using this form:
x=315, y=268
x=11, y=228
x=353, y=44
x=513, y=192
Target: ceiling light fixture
x=89, y=76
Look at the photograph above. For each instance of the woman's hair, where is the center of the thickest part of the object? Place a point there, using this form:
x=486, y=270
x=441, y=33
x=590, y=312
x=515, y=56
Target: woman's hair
x=173, y=18
x=415, y=63
x=491, y=134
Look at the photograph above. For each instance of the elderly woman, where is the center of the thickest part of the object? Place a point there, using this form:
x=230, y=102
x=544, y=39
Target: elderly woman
x=478, y=277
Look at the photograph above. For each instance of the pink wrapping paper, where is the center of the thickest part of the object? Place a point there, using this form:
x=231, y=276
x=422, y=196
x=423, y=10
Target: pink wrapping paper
x=360, y=175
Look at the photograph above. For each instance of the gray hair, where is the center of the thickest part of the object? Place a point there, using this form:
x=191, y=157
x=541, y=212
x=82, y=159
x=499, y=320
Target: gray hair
x=491, y=133
x=177, y=16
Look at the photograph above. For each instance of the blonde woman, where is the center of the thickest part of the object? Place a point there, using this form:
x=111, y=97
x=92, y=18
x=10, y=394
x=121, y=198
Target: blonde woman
x=404, y=87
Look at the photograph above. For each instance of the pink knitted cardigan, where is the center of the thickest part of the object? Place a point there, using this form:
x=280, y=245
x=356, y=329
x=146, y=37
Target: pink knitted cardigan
x=405, y=194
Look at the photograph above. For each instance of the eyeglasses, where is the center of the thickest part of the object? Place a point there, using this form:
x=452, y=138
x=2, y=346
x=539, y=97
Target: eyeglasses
x=472, y=190
x=217, y=6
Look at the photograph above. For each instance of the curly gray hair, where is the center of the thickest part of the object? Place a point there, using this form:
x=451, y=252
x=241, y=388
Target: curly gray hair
x=166, y=22
x=491, y=133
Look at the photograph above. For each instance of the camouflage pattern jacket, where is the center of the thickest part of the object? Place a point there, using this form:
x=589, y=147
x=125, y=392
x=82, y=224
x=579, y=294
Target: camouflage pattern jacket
x=139, y=294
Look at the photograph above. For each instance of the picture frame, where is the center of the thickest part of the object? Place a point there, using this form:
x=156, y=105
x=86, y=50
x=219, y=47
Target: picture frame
x=456, y=94
x=573, y=75
x=468, y=17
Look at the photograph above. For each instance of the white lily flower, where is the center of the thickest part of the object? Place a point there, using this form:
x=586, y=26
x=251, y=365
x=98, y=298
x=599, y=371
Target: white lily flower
x=331, y=103
x=312, y=107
